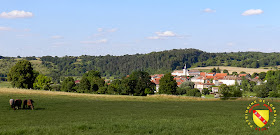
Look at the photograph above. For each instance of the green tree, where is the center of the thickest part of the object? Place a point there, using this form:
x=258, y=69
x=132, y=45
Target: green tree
x=236, y=90
x=194, y=93
x=84, y=86
x=167, y=84
x=225, y=71
x=254, y=75
x=187, y=84
x=95, y=80
x=262, y=75
x=68, y=84
x=205, y=91
x=137, y=83
x=142, y=81
x=218, y=70
x=42, y=82
x=261, y=91
x=225, y=91
x=234, y=73
x=115, y=87
x=22, y=75
x=214, y=70
x=149, y=91
x=245, y=85
x=242, y=72
x=273, y=94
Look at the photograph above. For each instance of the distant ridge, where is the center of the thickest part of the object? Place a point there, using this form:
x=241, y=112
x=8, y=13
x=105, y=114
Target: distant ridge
x=154, y=62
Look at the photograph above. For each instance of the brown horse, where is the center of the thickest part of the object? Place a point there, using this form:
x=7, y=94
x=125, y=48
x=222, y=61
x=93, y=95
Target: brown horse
x=18, y=103
x=30, y=103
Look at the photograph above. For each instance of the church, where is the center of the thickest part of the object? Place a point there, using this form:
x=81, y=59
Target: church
x=185, y=72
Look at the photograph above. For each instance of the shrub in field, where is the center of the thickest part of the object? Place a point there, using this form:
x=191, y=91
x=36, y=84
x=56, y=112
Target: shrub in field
x=149, y=91
x=194, y=93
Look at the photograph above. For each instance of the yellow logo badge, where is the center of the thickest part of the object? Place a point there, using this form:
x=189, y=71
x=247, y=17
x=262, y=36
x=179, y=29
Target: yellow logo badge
x=260, y=117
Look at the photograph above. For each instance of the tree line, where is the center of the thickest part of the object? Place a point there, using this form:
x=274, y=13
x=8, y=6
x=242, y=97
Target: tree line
x=138, y=83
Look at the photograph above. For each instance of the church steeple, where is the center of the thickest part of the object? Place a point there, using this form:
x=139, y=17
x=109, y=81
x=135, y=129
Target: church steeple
x=185, y=70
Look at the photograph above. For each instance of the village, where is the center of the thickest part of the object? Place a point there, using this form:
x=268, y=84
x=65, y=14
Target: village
x=204, y=80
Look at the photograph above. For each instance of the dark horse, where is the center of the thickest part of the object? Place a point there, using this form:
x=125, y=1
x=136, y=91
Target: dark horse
x=24, y=104
x=18, y=103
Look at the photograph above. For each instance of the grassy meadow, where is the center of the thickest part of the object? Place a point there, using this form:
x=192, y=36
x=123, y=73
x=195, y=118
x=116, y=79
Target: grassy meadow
x=73, y=113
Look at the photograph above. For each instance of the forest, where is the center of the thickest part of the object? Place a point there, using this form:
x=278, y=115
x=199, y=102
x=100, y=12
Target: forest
x=154, y=62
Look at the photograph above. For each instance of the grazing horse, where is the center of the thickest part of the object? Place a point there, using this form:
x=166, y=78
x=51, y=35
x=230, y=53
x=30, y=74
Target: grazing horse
x=24, y=104
x=12, y=103
x=30, y=103
x=18, y=103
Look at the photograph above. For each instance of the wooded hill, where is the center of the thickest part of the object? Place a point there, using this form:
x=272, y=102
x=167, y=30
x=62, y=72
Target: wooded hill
x=154, y=62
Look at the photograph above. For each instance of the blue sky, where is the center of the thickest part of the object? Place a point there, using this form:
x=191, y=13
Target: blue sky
x=119, y=27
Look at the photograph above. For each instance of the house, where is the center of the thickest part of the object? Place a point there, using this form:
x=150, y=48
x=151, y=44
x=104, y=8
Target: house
x=198, y=79
x=180, y=79
x=77, y=81
x=201, y=86
x=185, y=72
x=230, y=80
x=193, y=72
x=247, y=76
x=215, y=89
x=155, y=79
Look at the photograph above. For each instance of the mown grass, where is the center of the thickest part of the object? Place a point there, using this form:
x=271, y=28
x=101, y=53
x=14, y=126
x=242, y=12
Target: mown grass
x=234, y=69
x=70, y=113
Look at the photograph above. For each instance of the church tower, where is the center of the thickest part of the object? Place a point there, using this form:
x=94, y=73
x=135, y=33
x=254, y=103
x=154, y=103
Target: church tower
x=185, y=70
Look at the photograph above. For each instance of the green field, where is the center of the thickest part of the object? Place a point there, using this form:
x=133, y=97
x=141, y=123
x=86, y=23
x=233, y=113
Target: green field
x=71, y=113
x=5, y=84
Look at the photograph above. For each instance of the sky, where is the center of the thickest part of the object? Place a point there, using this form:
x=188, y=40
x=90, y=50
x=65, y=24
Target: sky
x=119, y=27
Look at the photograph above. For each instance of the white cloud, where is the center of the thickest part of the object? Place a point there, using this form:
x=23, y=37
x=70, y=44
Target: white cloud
x=57, y=37
x=5, y=28
x=252, y=12
x=16, y=14
x=103, y=32
x=209, y=10
x=95, y=42
x=154, y=37
x=164, y=35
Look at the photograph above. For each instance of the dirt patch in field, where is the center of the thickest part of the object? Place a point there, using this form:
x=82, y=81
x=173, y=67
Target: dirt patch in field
x=236, y=69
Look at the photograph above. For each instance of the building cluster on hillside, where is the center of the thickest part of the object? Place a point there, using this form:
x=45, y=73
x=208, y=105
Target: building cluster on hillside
x=204, y=80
